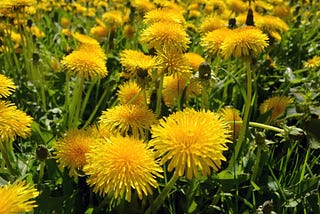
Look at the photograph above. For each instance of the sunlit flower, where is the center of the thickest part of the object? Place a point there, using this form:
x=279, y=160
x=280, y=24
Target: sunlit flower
x=70, y=149
x=114, y=17
x=275, y=105
x=271, y=24
x=237, y=6
x=128, y=120
x=211, y=23
x=143, y=5
x=231, y=115
x=65, y=22
x=17, y=198
x=163, y=15
x=173, y=62
x=14, y=4
x=13, y=122
x=194, y=60
x=190, y=141
x=99, y=32
x=313, y=62
x=176, y=87
x=84, y=39
x=7, y=86
x=86, y=62
x=213, y=40
x=130, y=93
x=133, y=61
x=243, y=42
x=165, y=34
x=121, y=165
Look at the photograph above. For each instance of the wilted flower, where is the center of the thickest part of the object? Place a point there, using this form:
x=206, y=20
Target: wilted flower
x=120, y=165
x=190, y=141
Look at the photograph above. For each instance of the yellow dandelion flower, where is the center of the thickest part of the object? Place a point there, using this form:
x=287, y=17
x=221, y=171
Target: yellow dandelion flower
x=165, y=34
x=133, y=61
x=237, y=6
x=231, y=115
x=190, y=141
x=99, y=32
x=143, y=5
x=86, y=62
x=276, y=105
x=311, y=63
x=65, y=22
x=243, y=42
x=14, y=4
x=212, y=23
x=98, y=132
x=7, y=86
x=128, y=120
x=17, y=198
x=194, y=60
x=212, y=41
x=120, y=165
x=84, y=39
x=163, y=15
x=70, y=149
x=172, y=62
x=261, y=6
x=174, y=86
x=13, y=122
x=271, y=23
x=281, y=11
x=114, y=17
x=130, y=93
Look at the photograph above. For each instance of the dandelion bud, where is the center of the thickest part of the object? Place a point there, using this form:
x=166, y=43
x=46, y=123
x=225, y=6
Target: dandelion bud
x=204, y=71
x=232, y=23
x=42, y=153
x=249, y=20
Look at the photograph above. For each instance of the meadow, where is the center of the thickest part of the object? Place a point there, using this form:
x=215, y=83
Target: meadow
x=159, y=106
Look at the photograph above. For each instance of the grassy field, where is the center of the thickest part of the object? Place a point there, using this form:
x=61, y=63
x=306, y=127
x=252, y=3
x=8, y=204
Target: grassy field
x=151, y=106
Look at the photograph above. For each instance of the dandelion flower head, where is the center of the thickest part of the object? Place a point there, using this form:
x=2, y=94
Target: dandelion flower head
x=7, y=86
x=194, y=60
x=17, y=198
x=130, y=93
x=277, y=105
x=164, y=15
x=313, y=62
x=190, y=141
x=128, y=119
x=70, y=149
x=244, y=42
x=212, y=41
x=13, y=122
x=121, y=165
x=165, y=34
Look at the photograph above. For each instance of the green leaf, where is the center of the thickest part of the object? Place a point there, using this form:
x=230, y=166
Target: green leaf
x=313, y=133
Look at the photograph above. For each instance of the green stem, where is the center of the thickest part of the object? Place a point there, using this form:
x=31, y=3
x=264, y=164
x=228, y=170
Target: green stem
x=261, y=125
x=76, y=103
x=86, y=99
x=257, y=163
x=41, y=172
x=246, y=117
x=96, y=108
x=159, y=95
x=162, y=196
x=6, y=150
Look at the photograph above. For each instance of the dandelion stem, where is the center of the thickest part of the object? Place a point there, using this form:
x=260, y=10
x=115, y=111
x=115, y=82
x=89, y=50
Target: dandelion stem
x=162, y=196
x=159, y=95
x=257, y=163
x=5, y=151
x=260, y=125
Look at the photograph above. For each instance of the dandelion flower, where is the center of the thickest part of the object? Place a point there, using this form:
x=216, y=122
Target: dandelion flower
x=133, y=61
x=174, y=87
x=143, y=5
x=163, y=15
x=13, y=122
x=165, y=34
x=231, y=115
x=212, y=41
x=17, y=198
x=7, y=86
x=313, y=62
x=86, y=62
x=190, y=140
x=172, y=62
x=212, y=23
x=70, y=149
x=271, y=23
x=130, y=93
x=243, y=42
x=84, y=39
x=128, y=120
x=120, y=165
x=276, y=105
x=194, y=60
